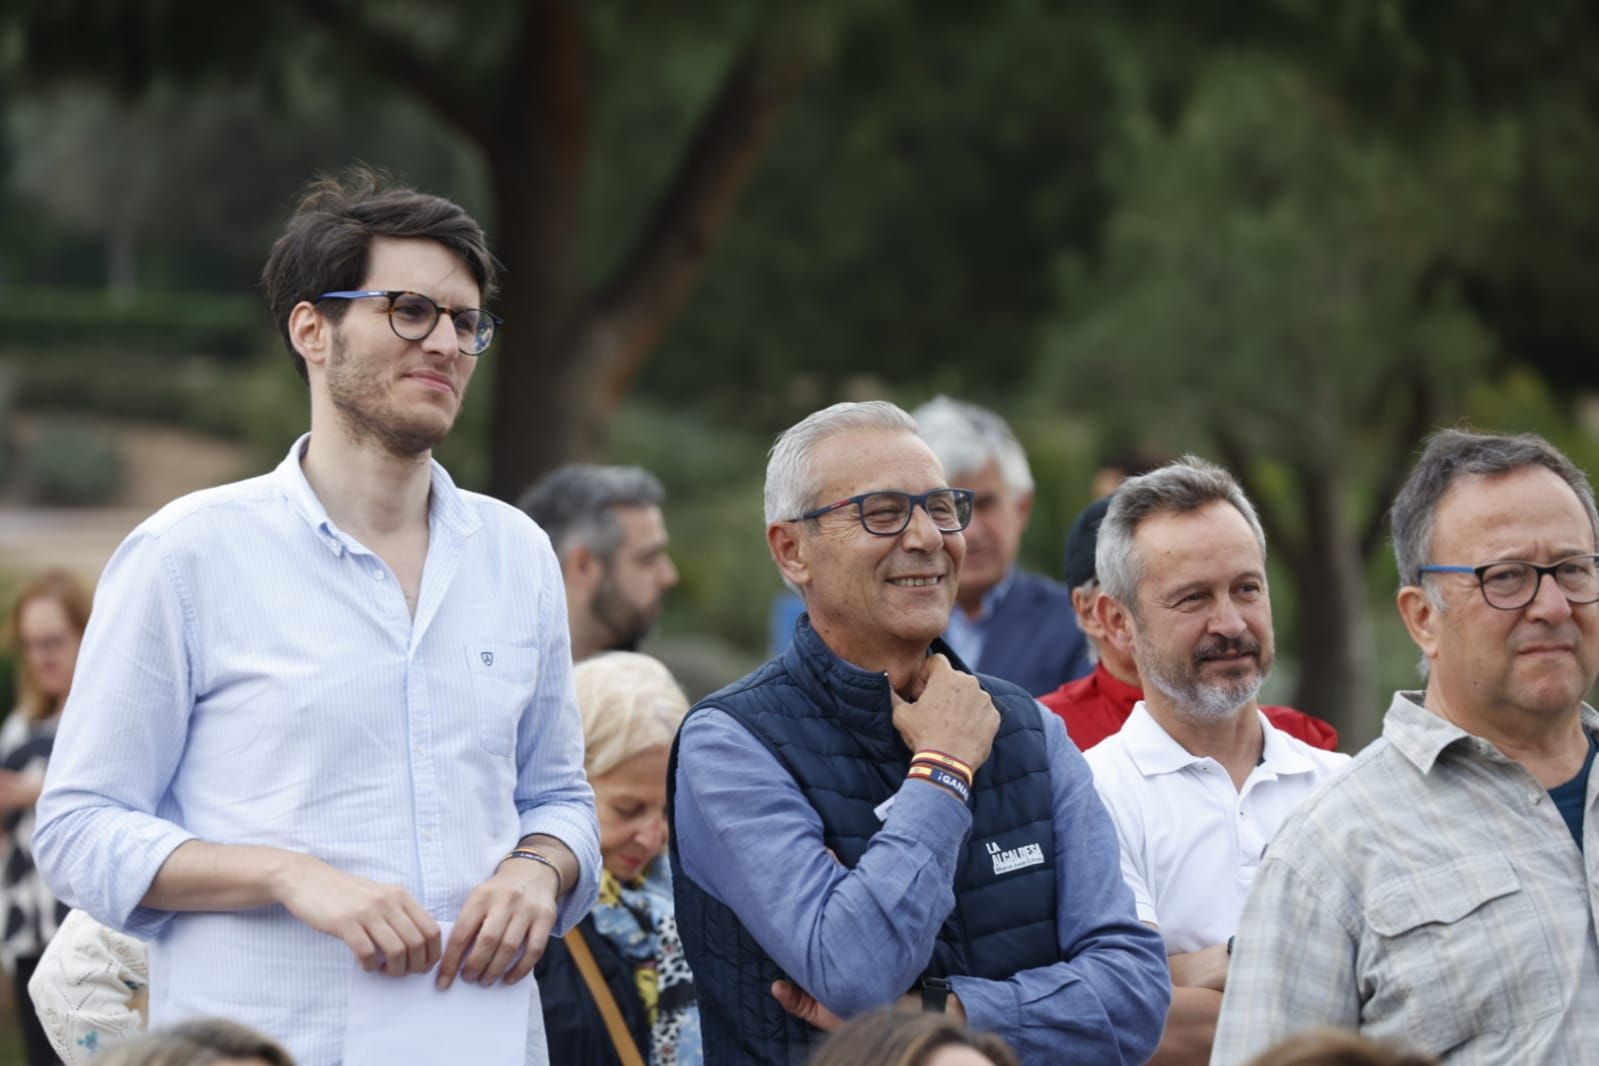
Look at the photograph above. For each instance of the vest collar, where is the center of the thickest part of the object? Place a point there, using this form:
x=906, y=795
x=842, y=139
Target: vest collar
x=858, y=698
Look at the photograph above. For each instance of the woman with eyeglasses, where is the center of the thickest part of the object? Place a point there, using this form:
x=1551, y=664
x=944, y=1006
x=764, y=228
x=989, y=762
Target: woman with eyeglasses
x=47, y=624
x=617, y=989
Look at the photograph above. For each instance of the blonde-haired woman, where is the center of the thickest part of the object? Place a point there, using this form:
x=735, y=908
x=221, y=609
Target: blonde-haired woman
x=617, y=988
x=47, y=625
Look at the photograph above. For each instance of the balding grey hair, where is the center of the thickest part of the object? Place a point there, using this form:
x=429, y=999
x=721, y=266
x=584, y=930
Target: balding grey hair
x=576, y=504
x=1177, y=488
x=792, y=480
x=967, y=438
x=1451, y=454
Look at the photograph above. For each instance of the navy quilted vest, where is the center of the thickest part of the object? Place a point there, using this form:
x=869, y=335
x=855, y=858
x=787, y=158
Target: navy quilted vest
x=830, y=725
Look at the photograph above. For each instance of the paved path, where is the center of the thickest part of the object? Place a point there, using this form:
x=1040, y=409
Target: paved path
x=159, y=463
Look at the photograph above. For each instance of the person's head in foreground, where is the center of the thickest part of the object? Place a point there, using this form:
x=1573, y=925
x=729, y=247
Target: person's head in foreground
x=901, y=1038
x=47, y=624
x=203, y=1042
x=862, y=521
x=1494, y=537
x=631, y=708
x=1325, y=1046
x=1181, y=560
x=378, y=292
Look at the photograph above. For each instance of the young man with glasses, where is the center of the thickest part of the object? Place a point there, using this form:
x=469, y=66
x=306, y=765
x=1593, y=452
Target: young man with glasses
x=862, y=821
x=322, y=711
x=1441, y=892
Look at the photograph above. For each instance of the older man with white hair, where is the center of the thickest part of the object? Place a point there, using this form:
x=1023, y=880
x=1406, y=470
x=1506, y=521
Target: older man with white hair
x=1007, y=621
x=861, y=822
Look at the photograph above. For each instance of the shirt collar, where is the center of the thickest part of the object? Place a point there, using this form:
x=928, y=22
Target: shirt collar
x=1421, y=736
x=445, y=503
x=1154, y=752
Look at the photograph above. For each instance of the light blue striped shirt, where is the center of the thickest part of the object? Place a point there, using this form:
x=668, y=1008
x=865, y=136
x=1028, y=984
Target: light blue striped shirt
x=252, y=675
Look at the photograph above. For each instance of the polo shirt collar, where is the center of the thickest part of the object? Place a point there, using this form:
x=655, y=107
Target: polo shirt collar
x=445, y=502
x=1154, y=752
x=1422, y=736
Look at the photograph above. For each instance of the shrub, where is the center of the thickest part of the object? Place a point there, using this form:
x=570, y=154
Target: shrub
x=73, y=464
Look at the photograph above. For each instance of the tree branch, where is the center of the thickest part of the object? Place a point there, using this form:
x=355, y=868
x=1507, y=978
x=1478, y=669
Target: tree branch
x=1239, y=464
x=393, y=58
x=655, y=281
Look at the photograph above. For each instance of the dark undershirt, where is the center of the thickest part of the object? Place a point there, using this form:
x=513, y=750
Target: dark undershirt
x=1570, y=797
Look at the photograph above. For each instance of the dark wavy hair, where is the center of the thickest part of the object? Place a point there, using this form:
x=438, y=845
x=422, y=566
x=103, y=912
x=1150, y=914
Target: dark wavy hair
x=326, y=244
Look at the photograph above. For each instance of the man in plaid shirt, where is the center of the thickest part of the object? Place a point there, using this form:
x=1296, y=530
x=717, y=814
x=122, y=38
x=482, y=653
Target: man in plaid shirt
x=1442, y=891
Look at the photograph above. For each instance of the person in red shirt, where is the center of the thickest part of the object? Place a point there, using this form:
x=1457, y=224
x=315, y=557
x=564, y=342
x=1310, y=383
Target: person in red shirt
x=1096, y=706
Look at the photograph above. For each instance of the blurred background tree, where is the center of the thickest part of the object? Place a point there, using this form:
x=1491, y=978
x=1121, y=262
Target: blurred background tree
x=1292, y=236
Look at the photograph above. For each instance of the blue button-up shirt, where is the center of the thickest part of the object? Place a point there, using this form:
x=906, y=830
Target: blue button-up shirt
x=253, y=675
x=859, y=938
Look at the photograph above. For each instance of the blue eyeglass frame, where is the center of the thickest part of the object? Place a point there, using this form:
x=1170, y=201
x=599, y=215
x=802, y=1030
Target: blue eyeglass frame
x=1481, y=573
x=913, y=500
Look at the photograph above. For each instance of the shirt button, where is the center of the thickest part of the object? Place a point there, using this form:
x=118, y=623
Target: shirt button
x=377, y=575
x=1536, y=798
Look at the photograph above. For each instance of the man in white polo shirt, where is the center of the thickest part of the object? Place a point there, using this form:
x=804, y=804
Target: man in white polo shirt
x=1198, y=780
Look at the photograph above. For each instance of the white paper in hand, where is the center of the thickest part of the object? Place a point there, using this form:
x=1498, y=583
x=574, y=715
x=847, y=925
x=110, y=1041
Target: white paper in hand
x=408, y=1020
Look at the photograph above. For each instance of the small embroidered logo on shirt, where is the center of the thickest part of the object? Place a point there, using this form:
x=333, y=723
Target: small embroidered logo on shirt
x=1008, y=860
x=487, y=657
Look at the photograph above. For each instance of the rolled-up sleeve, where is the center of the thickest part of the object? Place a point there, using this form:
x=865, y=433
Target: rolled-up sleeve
x=553, y=796
x=1106, y=1000
x=853, y=938
x=99, y=842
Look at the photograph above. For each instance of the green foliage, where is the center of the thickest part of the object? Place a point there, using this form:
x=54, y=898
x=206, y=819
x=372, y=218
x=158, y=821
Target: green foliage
x=44, y=321
x=73, y=464
x=1273, y=272
x=713, y=477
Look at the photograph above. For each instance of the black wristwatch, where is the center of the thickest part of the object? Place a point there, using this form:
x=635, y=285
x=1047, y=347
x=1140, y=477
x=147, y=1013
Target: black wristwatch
x=935, y=994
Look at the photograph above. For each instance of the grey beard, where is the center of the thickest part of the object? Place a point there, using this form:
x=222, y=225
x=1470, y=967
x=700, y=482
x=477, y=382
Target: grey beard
x=1206, y=703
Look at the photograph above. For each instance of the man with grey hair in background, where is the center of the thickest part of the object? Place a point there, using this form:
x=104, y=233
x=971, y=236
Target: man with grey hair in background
x=608, y=531
x=1007, y=621
x=862, y=822
x=1443, y=892
x=1198, y=779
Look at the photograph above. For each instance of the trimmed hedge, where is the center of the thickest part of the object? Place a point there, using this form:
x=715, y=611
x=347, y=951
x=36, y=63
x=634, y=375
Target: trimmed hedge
x=229, y=325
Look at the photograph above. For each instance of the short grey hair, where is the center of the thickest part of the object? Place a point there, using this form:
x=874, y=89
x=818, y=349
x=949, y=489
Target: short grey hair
x=1451, y=454
x=967, y=438
x=1177, y=488
x=792, y=481
x=576, y=504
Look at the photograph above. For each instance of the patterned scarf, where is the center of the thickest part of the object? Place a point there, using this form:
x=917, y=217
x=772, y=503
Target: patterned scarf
x=638, y=919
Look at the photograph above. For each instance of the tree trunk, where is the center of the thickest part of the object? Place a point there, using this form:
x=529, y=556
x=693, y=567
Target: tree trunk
x=1336, y=651
x=539, y=417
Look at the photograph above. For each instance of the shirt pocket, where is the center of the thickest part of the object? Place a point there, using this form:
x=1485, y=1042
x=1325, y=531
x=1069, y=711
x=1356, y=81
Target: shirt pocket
x=1459, y=951
x=503, y=679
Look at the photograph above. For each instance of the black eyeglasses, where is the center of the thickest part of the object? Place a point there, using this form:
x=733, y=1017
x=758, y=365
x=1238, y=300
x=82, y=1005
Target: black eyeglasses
x=887, y=514
x=1511, y=585
x=413, y=317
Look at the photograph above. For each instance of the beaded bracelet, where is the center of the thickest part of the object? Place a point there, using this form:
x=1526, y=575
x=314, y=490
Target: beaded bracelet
x=539, y=856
